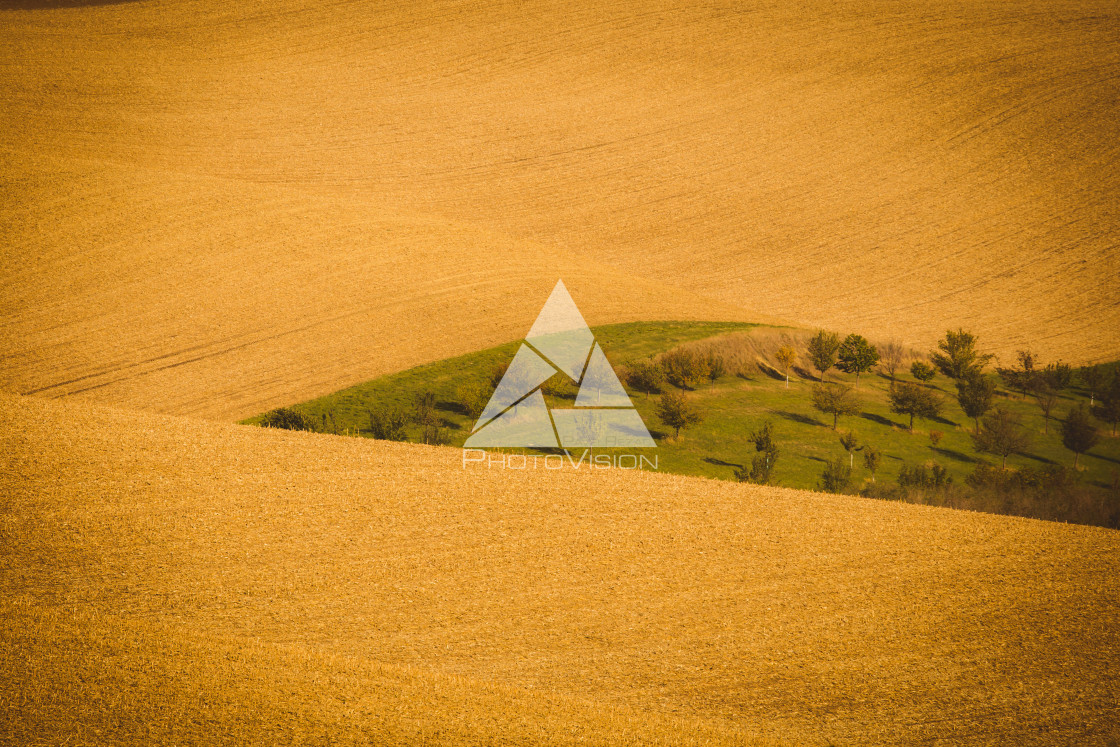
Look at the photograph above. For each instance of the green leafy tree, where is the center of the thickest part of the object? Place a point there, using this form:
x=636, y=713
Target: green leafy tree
x=1001, y=433
x=762, y=464
x=1058, y=376
x=677, y=411
x=1021, y=378
x=836, y=400
x=822, y=351
x=1078, y=433
x=786, y=357
x=915, y=400
x=685, y=368
x=715, y=364
x=388, y=424
x=975, y=393
x=1046, y=396
x=646, y=376
x=872, y=458
x=957, y=355
x=856, y=356
x=473, y=398
x=1095, y=378
x=836, y=476
x=922, y=371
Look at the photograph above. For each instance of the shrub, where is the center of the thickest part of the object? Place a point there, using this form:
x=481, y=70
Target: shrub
x=836, y=477
x=872, y=458
x=677, y=411
x=935, y=437
x=922, y=371
x=645, y=376
x=387, y=425
x=929, y=476
x=473, y=398
x=716, y=366
x=685, y=368
x=762, y=464
x=288, y=419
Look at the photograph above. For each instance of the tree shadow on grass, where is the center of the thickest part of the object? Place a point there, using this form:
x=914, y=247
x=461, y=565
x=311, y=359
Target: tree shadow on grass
x=797, y=417
x=772, y=372
x=1037, y=458
x=880, y=420
x=721, y=463
x=1114, y=460
x=956, y=456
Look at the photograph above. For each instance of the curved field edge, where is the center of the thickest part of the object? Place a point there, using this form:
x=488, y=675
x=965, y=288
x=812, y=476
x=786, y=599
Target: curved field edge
x=785, y=614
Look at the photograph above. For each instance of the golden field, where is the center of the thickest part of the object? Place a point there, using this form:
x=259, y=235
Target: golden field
x=167, y=579
x=211, y=209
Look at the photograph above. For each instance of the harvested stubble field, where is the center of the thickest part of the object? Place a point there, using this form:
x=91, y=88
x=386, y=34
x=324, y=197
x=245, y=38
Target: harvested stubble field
x=213, y=208
x=170, y=579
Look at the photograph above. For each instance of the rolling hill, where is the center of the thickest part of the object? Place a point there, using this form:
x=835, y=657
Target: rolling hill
x=212, y=208
x=166, y=579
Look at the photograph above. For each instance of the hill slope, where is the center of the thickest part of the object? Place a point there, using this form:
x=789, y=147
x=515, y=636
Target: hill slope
x=206, y=191
x=781, y=613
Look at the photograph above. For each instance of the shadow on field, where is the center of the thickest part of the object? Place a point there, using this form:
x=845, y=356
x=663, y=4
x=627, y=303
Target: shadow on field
x=721, y=463
x=1037, y=458
x=797, y=417
x=955, y=455
x=880, y=420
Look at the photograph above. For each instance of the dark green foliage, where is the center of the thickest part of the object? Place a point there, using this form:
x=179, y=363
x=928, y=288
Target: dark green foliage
x=1078, y=433
x=836, y=477
x=288, y=419
x=872, y=458
x=645, y=376
x=929, y=476
x=1095, y=378
x=835, y=400
x=685, y=368
x=956, y=355
x=922, y=371
x=1109, y=408
x=975, y=393
x=856, y=355
x=1057, y=376
x=915, y=400
x=1001, y=433
x=1021, y=378
x=473, y=398
x=387, y=424
x=716, y=365
x=433, y=434
x=823, y=348
x=1046, y=396
x=850, y=442
x=762, y=464
x=497, y=375
x=677, y=411
x=424, y=409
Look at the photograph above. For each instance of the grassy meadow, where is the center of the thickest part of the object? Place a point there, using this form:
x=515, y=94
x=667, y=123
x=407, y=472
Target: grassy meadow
x=752, y=392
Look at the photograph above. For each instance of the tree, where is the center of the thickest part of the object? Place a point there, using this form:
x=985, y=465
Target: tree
x=1001, y=433
x=850, y=442
x=685, y=368
x=836, y=476
x=387, y=425
x=1020, y=378
x=424, y=408
x=958, y=354
x=646, y=376
x=835, y=400
x=288, y=419
x=1094, y=377
x=922, y=371
x=677, y=411
x=892, y=358
x=908, y=398
x=822, y=351
x=1046, y=396
x=872, y=457
x=856, y=355
x=762, y=465
x=786, y=357
x=1109, y=408
x=473, y=398
x=974, y=393
x=1078, y=432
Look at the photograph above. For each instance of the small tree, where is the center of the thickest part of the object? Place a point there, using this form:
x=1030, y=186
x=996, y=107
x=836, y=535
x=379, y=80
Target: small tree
x=892, y=358
x=1046, y=396
x=1094, y=377
x=786, y=357
x=935, y=437
x=957, y=354
x=677, y=411
x=1109, y=408
x=856, y=355
x=1078, y=433
x=850, y=442
x=914, y=400
x=872, y=458
x=1022, y=377
x=387, y=425
x=288, y=419
x=835, y=400
x=922, y=371
x=1001, y=434
x=1058, y=376
x=762, y=465
x=473, y=398
x=715, y=364
x=975, y=393
x=685, y=368
x=645, y=376
x=424, y=409
x=836, y=476
x=822, y=351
